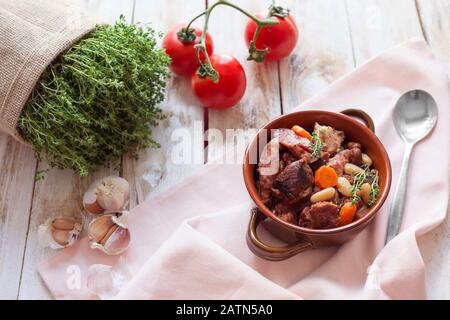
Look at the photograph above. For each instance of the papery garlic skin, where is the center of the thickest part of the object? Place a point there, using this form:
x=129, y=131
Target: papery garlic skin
x=108, y=235
x=59, y=232
x=108, y=195
x=100, y=281
x=106, y=281
x=122, y=219
x=113, y=194
x=90, y=203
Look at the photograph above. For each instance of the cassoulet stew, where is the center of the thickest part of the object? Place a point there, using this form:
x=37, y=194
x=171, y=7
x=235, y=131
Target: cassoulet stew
x=318, y=179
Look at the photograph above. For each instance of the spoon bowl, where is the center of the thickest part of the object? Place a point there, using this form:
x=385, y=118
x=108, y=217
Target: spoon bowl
x=415, y=116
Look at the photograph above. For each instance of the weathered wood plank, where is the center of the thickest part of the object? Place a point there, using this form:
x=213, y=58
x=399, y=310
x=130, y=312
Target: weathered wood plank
x=109, y=10
x=435, y=245
x=435, y=21
x=61, y=191
x=380, y=24
x=324, y=52
x=183, y=114
x=17, y=169
x=261, y=101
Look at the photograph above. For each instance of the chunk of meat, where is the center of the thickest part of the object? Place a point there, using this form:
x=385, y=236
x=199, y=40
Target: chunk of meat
x=289, y=217
x=317, y=164
x=286, y=159
x=268, y=168
x=305, y=219
x=295, y=182
x=285, y=212
x=356, y=156
x=343, y=157
x=339, y=161
x=298, y=146
x=330, y=137
x=353, y=144
x=321, y=215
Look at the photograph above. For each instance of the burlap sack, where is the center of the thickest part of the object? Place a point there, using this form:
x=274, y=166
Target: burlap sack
x=32, y=34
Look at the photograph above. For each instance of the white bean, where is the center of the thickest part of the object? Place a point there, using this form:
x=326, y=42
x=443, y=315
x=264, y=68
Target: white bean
x=352, y=169
x=365, y=191
x=323, y=195
x=366, y=160
x=344, y=187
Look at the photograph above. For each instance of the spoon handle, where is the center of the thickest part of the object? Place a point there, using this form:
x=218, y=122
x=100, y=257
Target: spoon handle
x=398, y=201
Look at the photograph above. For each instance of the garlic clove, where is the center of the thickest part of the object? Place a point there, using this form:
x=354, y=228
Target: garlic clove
x=98, y=228
x=118, y=242
x=63, y=224
x=61, y=237
x=59, y=232
x=108, y=235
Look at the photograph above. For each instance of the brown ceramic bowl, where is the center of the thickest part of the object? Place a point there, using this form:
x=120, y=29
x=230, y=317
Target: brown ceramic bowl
x=309, y=238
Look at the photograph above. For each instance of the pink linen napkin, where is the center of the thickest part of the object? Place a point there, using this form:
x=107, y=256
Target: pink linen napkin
x=189, y=242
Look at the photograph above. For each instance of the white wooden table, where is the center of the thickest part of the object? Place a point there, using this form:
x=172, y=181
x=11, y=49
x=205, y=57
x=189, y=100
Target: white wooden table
x=335, y=37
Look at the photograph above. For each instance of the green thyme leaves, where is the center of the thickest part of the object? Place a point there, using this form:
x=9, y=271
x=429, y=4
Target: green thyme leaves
x=369, y=176
x=317, y=144
x=375, y=190
x=98, y=100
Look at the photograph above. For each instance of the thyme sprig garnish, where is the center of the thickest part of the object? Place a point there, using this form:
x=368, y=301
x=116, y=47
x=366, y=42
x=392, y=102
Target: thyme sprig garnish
x=358, y=180
x=375, y=190
x=362, y=177
x=317, y=144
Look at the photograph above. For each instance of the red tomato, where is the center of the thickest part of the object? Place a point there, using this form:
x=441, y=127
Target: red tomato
x=182, y=54
x=230, y=88
x=280, y=39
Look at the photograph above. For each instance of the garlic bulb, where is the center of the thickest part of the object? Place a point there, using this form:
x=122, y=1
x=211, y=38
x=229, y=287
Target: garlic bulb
x=108, y=234
x=108, y=195
x=59, y=232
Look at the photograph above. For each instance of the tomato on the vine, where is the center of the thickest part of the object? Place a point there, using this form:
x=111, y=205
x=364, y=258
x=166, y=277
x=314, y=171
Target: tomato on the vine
x=280, y=39
x=230, y=88
x=182, y=51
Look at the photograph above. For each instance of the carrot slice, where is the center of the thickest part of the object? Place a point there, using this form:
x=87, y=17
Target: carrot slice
x=326, y=177
x=347, y=213
x=301, y=132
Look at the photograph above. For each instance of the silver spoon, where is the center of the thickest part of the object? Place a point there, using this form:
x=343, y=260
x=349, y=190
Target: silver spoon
x=415, y=115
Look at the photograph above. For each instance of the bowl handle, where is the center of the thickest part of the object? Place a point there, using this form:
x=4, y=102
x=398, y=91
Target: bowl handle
x=356, y=113
x=266, y=251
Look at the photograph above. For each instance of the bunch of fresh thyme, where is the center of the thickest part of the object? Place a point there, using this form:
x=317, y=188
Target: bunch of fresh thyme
x=98, y=100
